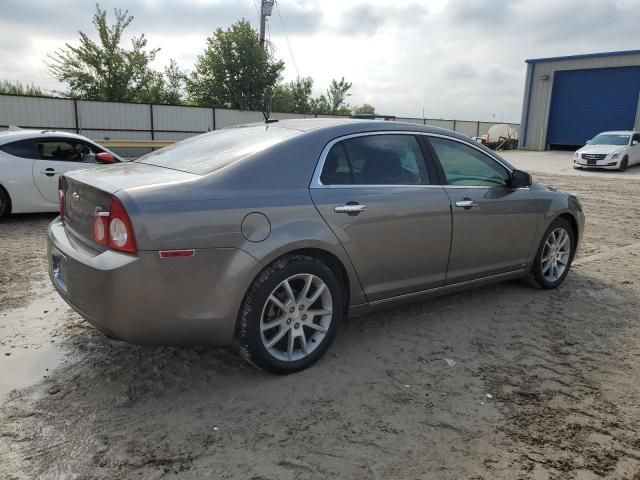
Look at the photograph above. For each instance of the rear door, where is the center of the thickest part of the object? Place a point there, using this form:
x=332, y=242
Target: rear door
x=375, y=192
x=55, y=157
x=493, y=224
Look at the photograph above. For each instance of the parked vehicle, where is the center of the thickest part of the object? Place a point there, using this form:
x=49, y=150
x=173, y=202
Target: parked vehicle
x=610, y=150
x=269, y=235
x=31, y=162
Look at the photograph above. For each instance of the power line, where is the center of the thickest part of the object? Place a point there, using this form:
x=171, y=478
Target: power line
x=284, y=30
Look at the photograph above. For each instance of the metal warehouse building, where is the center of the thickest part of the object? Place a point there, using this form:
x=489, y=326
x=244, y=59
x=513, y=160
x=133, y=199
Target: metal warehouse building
x=567, y=100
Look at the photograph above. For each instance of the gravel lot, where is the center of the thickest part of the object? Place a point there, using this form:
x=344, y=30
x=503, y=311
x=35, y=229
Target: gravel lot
x=504, y=382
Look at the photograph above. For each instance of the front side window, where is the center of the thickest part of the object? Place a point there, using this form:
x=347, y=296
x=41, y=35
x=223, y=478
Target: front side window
x=636, y=138
x=375, y=160
x=466, y=166
x=65, y=151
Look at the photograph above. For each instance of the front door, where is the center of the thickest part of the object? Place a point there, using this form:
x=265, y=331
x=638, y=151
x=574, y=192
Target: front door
x=375, y=193
x=493, y=224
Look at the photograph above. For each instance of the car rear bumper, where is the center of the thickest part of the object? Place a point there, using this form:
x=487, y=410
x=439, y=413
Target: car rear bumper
x=145, y=299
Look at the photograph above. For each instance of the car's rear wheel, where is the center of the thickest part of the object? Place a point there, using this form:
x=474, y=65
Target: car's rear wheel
x=290, y=314
x=554, y=257
x=623, y=164
x=5, y=203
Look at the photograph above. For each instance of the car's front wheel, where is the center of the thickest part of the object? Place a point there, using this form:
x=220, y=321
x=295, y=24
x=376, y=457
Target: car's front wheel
x=623, y=164
x=554, y=257
x=5, y=203
x=290, y=314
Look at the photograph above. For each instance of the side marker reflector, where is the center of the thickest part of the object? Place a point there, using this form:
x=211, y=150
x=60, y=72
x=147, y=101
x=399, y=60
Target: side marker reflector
x=177, y=253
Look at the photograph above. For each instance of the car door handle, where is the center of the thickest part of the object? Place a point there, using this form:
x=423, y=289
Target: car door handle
x=467, y=204
x=350, y=209
x=49, y=172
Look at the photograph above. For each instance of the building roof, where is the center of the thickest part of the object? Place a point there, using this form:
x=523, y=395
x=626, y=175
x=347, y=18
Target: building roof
x=586, y=55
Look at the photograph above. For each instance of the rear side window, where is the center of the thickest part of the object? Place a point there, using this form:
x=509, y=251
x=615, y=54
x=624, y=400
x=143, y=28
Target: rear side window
x=212, y=151
x=22, y=149
x=464, y=165
x=375, y=160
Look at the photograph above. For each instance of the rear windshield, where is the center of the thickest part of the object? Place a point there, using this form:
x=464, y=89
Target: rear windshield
x=212, y=151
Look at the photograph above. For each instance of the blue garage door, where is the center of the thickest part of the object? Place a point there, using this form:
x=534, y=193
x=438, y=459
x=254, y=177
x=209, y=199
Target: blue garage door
x=586, y=102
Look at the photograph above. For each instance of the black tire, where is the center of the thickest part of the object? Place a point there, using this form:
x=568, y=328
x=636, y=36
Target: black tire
x=536, y=277
x=5, y=203
x=623, y=164
x=248, y=339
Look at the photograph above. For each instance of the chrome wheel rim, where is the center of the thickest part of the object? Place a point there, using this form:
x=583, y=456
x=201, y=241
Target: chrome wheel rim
x=296, y=317
x=556, y=254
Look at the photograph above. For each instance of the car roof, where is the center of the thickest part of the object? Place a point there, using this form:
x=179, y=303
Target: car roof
x=346, y=125
x=24, y=134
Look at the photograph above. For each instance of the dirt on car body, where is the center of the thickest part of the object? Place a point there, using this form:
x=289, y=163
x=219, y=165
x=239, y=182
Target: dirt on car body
x=499, y=382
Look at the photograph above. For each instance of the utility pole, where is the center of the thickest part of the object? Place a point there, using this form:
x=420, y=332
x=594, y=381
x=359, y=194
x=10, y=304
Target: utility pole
x=266, y=7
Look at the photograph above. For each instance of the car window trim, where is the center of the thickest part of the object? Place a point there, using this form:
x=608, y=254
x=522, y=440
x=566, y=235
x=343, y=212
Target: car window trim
x=317, y=183
x=440, y=179
x=475, y=147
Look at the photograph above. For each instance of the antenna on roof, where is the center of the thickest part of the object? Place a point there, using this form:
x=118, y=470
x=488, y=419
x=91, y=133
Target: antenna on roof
x=13, y=128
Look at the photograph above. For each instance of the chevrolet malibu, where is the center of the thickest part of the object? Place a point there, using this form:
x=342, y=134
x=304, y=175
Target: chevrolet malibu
x=268, y=236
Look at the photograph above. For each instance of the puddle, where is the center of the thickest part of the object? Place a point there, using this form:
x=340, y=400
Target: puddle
x=29, y=348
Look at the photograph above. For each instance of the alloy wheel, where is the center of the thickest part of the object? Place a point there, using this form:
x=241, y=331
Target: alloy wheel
x=296, y=317
x=556, y=254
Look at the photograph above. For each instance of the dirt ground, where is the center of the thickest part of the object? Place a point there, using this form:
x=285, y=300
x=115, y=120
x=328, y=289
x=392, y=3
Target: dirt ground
x=503, y=382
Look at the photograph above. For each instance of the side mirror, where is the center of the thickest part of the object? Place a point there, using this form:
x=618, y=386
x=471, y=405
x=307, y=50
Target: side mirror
x=519, y=179
x=105, y=157
x=635, y=142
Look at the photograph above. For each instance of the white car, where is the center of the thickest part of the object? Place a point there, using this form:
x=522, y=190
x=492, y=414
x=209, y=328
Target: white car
x=610, y=150
x=31, y=162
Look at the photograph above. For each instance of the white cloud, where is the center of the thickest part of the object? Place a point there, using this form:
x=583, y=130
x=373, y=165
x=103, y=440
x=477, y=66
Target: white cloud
x=455, y=58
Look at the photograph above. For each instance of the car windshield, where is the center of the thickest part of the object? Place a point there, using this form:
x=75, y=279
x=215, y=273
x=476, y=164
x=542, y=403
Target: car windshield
x=212, y=151
x=610, y=139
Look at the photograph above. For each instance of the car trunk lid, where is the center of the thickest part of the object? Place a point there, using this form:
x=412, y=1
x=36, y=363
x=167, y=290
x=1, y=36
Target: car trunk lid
x=88, y=192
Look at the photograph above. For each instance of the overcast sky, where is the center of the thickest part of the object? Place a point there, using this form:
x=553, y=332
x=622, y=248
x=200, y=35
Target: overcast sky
x=455, y=58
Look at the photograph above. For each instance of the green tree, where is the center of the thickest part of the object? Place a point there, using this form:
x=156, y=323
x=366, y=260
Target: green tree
x=104, y=70
x=233, y=71
x=293, y=97
x=167, y=88
x=17, y=88
x=337, y=94
x=364, y=109
x=320, y=106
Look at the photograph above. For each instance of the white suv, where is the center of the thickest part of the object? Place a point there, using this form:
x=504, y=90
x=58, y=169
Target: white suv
x=610, y=150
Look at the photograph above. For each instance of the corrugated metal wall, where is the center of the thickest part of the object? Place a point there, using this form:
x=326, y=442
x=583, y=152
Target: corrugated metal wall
x=133, y=121
x=538, y=87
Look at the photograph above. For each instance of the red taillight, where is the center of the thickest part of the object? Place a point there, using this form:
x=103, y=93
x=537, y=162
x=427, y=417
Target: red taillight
x=61, y=188
x=113, y=229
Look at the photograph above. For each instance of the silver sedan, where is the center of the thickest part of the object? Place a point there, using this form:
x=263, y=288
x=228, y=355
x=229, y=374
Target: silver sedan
x=268, y=236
